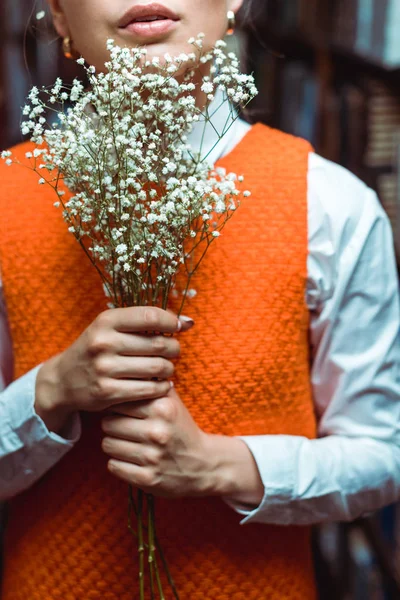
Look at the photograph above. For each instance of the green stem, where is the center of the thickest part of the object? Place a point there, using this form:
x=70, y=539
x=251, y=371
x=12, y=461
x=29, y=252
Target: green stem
x=152, y=547
x=140, y=544
x=166, y=568
x=131, y=508
x=151, y=557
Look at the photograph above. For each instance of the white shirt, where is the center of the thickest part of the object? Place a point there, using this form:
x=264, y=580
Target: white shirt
x=352, y=294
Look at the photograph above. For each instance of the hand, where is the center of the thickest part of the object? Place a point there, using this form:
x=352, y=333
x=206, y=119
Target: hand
x=115, y=360
x=156, y=445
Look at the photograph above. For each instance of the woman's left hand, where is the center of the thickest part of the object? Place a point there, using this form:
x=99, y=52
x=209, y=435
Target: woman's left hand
x=156, y=445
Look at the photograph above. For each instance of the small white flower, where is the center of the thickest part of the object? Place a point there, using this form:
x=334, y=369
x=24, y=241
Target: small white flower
x=246, y=193
x=40, y=15
x=42, y=181
x=207, y=87
x=121, y=249
x=138, y=192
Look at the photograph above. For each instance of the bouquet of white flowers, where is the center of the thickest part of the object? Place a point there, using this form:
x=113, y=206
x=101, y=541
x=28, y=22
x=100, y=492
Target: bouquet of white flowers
x=139, y=201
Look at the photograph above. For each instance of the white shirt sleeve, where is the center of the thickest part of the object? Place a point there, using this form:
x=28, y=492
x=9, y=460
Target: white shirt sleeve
x=353, y=296
x=27, y=448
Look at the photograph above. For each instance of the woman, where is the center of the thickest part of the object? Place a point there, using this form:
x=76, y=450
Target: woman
x=242, y=420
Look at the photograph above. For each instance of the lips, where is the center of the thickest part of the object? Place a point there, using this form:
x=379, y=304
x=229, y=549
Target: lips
x=147, y=13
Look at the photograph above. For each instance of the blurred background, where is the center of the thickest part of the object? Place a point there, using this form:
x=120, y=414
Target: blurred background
x=329, y=71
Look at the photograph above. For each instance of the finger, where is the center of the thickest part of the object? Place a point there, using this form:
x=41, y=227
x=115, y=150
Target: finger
x=138, y=367
x=186, y=322
x=113, y=392
x=124, y=450
x=146, y=345
x=163, y=409
x=126, y=428
x=143, y=318
x=140, y=477
x=136, y=410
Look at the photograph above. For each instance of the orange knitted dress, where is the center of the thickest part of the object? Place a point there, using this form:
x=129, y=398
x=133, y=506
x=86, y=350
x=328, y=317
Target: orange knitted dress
x=244, y=370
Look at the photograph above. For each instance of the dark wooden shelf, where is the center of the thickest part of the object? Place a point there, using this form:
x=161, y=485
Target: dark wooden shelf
x=290, y=42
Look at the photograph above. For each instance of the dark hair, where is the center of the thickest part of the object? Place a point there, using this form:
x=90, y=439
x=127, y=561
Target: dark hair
x=249, y=11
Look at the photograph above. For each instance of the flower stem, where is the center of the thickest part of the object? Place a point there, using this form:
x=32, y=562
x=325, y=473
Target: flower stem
x=131, y=507
x=166, y=569
x=140, y=544
x=152, y=547
x=151, y=556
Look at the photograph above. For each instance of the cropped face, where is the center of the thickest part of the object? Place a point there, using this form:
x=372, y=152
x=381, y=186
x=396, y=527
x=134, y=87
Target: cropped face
x=162, y=26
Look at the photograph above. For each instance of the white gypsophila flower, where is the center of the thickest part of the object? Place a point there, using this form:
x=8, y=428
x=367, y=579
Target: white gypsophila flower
x=136, y=191
x=40, y=15
x=191, y=293
x=207, y=87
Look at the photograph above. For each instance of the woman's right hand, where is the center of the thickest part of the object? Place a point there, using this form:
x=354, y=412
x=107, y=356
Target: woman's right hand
x=122, y=356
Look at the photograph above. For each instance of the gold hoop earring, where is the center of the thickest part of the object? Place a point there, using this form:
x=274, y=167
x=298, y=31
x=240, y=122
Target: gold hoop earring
x=231, y=22
x=68, y=49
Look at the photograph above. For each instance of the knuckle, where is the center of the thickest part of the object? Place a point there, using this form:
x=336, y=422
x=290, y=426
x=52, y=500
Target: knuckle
x=147, y=479
x=97, y=343
x=104, y=320
x=101, y=367
x=162, y=368
x=151, y=317
x=143, y=389
x=159, y=344
x=156, y=367
x=102, y=389
x=106, y=445
x=169, y=369
x=152, y=389
x=165, y=409
x=164, y=387
x=175, y=348
x=160, y=435
x=151, y=457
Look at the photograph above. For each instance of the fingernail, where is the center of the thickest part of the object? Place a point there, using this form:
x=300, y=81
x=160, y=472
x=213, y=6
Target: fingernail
x=187, y=321
x=171, y=384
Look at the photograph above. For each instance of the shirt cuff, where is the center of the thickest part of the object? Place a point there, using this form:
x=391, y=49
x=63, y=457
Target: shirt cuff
x=21, y=398
x=27, y=448
x=277, y=473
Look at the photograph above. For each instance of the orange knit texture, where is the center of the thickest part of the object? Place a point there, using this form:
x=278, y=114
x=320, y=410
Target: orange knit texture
x=244, y=370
